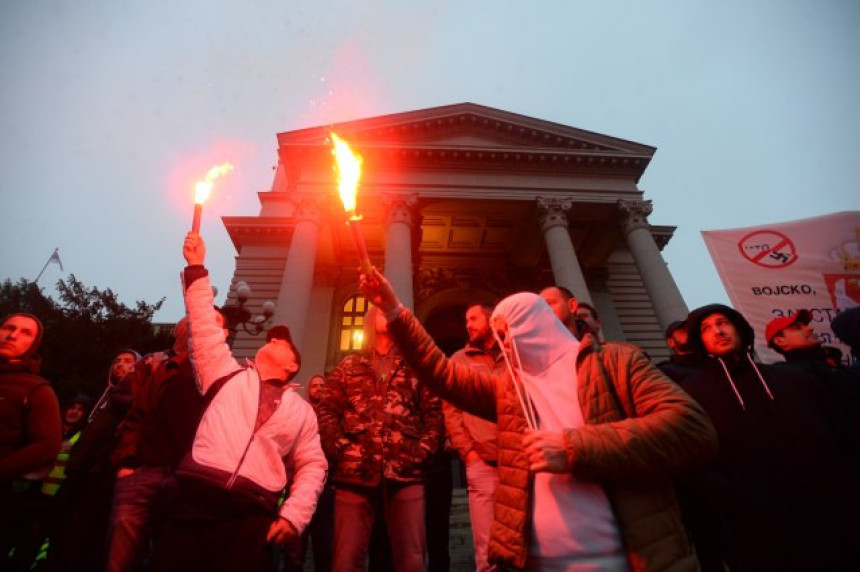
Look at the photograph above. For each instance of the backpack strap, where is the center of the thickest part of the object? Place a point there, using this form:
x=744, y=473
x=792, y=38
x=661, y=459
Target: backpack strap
x=216, y=387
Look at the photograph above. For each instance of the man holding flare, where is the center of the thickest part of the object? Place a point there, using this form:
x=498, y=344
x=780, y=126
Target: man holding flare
x=589, y=438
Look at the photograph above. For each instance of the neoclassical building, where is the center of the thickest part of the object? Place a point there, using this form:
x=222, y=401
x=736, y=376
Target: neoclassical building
x=460, y=203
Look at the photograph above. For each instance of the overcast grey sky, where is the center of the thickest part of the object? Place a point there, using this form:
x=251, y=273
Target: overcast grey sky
x=110, y=109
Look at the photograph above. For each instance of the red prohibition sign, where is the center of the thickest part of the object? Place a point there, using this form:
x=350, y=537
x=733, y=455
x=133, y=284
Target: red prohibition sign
x=768, y=248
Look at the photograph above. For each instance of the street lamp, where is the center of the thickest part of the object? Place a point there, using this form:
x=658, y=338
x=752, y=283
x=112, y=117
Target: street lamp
x=238, y=316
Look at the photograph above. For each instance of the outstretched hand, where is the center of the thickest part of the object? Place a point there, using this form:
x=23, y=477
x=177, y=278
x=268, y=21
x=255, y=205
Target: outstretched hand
x=378, y=290
x=194, y=249
x=545, y=451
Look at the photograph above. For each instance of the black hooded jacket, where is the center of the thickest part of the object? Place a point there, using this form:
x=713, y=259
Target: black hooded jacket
x=781, y=481
x=30, y=431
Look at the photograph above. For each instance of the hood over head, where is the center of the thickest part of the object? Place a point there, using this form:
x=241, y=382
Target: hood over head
x=29, y=360
x=697, y=316
x=540, y=337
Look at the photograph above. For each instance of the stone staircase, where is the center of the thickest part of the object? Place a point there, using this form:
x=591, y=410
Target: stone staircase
x=460, y=535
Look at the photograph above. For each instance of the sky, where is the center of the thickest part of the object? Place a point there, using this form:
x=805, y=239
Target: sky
x=110, y=110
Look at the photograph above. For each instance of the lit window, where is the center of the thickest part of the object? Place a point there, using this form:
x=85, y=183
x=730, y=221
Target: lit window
x=352, y=324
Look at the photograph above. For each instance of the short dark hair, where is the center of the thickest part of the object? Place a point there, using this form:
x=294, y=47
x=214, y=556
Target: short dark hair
x=590, y=308
x=282, y=332
x=485, y=305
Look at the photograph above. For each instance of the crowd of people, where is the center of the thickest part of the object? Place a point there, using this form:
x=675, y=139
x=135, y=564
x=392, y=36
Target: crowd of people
x=579, y=453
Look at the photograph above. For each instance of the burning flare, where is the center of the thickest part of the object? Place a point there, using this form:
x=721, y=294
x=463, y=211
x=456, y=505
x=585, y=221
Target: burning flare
x=204, y=187
x=348, y=168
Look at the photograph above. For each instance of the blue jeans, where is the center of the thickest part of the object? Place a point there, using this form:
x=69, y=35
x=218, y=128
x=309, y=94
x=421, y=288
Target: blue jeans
x=140, y=502
x=402, y=505
x=483, y=481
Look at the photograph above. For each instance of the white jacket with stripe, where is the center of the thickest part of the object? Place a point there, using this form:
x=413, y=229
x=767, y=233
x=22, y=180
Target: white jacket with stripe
x=284, y=451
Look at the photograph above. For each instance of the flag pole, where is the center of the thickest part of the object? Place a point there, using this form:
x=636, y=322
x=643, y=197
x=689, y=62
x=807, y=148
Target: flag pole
x=50, y=258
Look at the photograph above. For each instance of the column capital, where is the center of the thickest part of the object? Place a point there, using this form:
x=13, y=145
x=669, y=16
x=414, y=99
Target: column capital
x=634, y=214
x=552, y=212
x=307, y=208
x=399, y=208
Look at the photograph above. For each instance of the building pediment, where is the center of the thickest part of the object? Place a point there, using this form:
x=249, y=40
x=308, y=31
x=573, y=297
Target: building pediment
x=466, y=126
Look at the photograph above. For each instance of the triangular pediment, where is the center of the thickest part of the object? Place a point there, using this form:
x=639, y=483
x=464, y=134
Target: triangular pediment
x=466, y=126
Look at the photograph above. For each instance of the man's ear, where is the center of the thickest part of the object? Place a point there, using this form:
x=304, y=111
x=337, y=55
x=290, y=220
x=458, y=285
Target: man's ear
x=778, y=340
x=293, y=368
x=572, y=305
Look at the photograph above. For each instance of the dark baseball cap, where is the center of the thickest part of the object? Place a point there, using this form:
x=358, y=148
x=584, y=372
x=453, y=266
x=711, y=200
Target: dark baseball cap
x=676, y=325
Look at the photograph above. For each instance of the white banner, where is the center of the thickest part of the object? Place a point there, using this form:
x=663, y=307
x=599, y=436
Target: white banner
x=774, y=270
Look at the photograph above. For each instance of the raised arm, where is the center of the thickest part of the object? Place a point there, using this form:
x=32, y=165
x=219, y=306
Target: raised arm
x=308, y=465
x=210, y=354
x=466, y=388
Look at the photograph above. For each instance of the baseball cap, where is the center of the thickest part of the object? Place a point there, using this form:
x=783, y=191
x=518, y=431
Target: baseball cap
x=676, y=325
x=776, y=325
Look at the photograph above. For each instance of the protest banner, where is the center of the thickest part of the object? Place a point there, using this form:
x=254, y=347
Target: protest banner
x=774, y=270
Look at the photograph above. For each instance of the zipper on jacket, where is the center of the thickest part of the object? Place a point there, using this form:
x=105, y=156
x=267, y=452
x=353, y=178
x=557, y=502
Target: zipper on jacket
x=235, y=474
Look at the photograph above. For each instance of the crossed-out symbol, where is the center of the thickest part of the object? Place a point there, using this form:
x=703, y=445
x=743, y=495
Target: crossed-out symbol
x=768, y=248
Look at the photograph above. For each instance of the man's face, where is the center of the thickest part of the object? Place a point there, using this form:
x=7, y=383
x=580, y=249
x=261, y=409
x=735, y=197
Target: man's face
x=17, y=335
x=74, y=413
x=315, y=388
x=121, y=365
x=478, y=326
x=584, y=314
x=797, y=336
x=719, y=335
x=560, y=307
x=678, y=341
x=280, y=354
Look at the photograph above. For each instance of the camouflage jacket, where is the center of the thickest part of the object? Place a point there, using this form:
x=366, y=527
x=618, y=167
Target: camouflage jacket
x=378, y=426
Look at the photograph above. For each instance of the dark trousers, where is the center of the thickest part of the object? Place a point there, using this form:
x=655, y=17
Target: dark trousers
x=321, y=532
x=140, y=502
x=213, y=529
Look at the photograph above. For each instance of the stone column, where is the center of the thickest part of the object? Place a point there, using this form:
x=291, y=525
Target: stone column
x=610, y=324
x=552, y=214
x=399, y=222
x=661, y=287
x=295, y=293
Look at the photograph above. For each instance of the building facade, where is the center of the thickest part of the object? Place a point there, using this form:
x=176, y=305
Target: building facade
x=460, y=203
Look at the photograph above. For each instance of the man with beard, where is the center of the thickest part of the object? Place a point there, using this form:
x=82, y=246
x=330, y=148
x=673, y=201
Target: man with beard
x=475, y=438
x=84, y=500
x=781, y=484
x=589, y=435
x=153, y=439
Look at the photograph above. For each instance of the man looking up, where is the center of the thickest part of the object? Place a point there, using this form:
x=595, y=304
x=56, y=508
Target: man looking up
x=793, y=339
x=475, y=438
x=381, y=425
x=776, y=438
x=589, y=435
x=153, y=439
x=255, y=430
x=30, y=434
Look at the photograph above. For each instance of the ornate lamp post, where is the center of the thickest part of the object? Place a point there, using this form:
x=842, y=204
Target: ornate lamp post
x=238, y=316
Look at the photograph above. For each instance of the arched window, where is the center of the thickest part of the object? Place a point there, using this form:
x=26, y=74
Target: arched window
x=351, y=324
